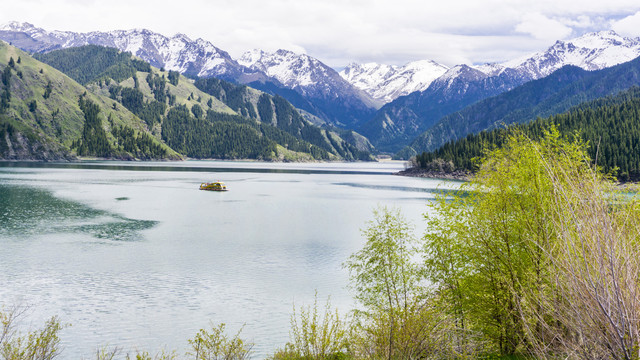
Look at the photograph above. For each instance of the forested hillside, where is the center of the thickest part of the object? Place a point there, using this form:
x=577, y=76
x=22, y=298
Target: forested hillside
x=209, y=119
x=551, y=95
x=45, y=115
x=610, y=125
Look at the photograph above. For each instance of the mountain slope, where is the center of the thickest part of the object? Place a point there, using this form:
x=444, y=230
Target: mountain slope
x=338, y=101
x=395, y=124
x=592, y=51
x=44, y=110
x=208, y=117
x=610, y=125
x=325, y=94
x=399, y=122
x=554, y=94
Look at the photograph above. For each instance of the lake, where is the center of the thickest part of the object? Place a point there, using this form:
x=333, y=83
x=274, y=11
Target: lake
x=133, y=255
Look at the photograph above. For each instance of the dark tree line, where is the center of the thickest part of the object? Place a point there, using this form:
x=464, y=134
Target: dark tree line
x=90, y=63
x=151, y=112
x=198, y=138
x=138, y=143
x=93, y=141
x=174, y=77
x=157, y=86
x=5, y=97
x=129, y=143
x=610, y=125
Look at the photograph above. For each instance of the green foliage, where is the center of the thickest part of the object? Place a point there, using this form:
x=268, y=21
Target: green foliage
x=139, y=144
x=488, y=246
x=214, y=344
x=93, y=141
x=43, y=344
x=265, y=108
x=157, y=86
x=196, y=110
x=151, y=112
x=174, y=77
x=212, y=138
x=47, y=90
x=396, y=320
x=89, y=63
x=33, y=106
x=5, y=98
x=315, y=337
x=610, y=125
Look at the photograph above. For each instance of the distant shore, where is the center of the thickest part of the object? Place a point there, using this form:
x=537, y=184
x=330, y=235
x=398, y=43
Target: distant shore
x=424, y=173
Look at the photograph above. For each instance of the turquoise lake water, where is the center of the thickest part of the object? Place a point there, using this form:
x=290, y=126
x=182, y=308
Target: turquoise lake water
x=134, y=255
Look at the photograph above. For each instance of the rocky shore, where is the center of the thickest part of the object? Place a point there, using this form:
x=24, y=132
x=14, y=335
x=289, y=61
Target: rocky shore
x=424, y=173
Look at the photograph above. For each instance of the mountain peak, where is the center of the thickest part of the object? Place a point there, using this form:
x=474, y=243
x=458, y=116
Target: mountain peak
x=387, y=82
x=18, y=26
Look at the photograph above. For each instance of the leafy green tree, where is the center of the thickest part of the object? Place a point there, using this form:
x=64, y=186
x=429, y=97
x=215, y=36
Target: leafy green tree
x=47, y=90
x=489, y=247
x=396, y=320
x=93, y=141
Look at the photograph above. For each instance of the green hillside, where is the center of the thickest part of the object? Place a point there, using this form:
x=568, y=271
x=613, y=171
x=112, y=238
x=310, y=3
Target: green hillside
x=221, y=120
x=610, y=125
x=42, y=117
x=554, y=94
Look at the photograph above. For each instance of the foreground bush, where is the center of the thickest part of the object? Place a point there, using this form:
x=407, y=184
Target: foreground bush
x=314, y=336
x=42, y=344
x=538, y=254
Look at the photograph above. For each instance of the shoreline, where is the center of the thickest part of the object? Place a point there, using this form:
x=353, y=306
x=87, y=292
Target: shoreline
x=424, y=173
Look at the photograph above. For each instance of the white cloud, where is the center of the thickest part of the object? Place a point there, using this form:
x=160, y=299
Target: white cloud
x=629, y=26
x=340, y=31
x=542, y=27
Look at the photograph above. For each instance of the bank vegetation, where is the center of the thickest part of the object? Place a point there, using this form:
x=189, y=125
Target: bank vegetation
x=536, y=257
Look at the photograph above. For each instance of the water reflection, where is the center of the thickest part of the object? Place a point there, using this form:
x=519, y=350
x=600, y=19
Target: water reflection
x=33, y=211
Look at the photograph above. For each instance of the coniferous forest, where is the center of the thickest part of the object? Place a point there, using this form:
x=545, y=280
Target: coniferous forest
x=611, y=127
x=208, y=118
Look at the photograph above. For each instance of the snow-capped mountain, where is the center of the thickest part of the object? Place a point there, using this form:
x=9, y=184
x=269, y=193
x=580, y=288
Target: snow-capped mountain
x=387, y=82
x=463, y=85
x=179, y=53
x=333, y=96
x=300, y=71
x=592, y=51
x=324, y=93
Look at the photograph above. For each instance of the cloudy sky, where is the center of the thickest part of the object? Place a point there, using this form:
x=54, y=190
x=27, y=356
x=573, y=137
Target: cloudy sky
x=342, y=31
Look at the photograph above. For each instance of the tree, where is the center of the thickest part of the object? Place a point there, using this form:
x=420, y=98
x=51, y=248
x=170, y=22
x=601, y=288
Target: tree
x=527, y=254
x=397, y=318
x=196, y=110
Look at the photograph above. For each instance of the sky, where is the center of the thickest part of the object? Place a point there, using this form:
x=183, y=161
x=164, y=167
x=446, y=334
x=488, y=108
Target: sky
x=339, y=32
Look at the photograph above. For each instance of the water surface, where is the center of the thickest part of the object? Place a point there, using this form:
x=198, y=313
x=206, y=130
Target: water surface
x=134, y=255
